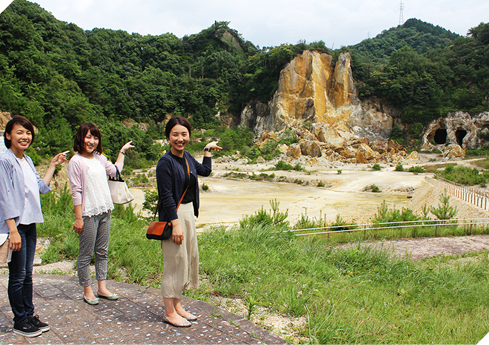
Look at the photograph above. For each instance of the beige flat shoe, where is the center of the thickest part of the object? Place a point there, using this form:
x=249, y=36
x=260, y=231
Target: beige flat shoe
x=90, y=301
x=112, y=297
x=190, y=317
x=185, y=323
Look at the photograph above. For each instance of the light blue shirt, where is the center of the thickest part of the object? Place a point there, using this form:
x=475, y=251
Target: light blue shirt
x=2, y=145
x=12, y=189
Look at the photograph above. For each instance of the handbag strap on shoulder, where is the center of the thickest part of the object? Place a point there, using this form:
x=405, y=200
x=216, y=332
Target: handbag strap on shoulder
x=183, y=195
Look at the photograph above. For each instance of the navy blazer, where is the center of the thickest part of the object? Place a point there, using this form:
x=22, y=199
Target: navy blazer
x=170, y=179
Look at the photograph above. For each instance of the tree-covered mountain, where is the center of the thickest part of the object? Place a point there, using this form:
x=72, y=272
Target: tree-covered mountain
x=60, y=76
x=414, y=33
x=426, y=71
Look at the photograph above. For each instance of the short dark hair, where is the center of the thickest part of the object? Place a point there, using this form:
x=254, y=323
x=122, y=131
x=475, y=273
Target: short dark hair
x=81, y=133
x=177, y=120
x=18, y=120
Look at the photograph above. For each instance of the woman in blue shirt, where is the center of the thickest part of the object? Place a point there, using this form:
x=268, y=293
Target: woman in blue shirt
x=20, y=210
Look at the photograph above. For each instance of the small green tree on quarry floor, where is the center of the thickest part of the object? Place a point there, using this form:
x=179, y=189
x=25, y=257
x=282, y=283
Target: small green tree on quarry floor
x=444, y=210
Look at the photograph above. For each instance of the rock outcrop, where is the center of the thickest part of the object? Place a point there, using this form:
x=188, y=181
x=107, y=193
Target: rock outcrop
x=453, y=151
x=458, y=128
x=312, y=92
x=4, y=118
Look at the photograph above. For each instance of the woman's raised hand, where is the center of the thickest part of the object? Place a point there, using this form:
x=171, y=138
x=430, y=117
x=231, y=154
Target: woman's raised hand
x=60, y=158
x=127, y=146
x=213, y=146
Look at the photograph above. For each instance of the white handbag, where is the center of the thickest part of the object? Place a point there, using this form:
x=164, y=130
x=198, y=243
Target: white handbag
x=118, y=189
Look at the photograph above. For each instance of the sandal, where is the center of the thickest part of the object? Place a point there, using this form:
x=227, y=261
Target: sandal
x=185, y=323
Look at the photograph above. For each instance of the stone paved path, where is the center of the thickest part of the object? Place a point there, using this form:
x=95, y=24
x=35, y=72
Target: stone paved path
x=134, y=319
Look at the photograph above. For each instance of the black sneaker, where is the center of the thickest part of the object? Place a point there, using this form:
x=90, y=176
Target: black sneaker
x=44, y=327
x=27, y=329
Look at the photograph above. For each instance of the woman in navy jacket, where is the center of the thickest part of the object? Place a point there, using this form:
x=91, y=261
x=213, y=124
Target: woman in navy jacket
x=181, y=255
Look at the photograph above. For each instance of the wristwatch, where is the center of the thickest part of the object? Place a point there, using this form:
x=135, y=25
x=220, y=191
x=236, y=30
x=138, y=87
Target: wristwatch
x=207, y=149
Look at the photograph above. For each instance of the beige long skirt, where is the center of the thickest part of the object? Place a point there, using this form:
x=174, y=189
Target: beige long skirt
x=181, y=262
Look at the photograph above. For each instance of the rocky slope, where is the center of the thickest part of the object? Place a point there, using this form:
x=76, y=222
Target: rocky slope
x=312, y=91
x=319, y=102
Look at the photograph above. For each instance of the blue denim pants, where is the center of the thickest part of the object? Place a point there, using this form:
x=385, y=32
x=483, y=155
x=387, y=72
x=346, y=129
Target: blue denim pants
x=20, y=289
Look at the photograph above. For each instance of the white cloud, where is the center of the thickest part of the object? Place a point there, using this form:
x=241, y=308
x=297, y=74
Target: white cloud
x=269, y=22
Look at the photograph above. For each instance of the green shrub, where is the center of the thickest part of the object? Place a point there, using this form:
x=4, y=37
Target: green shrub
x=150, y=200
x=263, y=218
x=417, y=169
x=399, y=167
x=340, y=224
x=372, y=188
x=463, y=175
x=376, y=166
x=384, y=214
x=444, y=210
x=283, y=166
x=298, y=167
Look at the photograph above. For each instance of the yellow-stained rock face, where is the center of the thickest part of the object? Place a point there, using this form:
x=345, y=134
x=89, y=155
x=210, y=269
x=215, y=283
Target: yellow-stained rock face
x=304, y=88
x=4, y=118
x=294, y=151
x=366, y=152
x=343, y=86
x=453, y=151
x=412, y=156
x=311, y=91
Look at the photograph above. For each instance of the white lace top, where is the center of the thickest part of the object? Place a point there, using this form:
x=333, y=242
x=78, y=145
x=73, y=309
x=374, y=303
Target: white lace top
x=97, y=197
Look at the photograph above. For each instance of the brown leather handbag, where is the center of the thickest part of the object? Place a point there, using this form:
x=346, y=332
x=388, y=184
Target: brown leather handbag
x=162, y=231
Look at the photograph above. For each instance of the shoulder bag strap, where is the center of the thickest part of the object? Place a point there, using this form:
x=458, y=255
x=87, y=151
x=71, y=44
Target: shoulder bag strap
x=185, y=191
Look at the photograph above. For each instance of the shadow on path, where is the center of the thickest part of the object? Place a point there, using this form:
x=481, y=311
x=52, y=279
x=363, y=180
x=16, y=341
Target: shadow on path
x=134, y=319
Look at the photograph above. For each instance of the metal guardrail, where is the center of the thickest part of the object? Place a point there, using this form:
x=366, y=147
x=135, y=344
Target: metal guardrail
x=478, y=222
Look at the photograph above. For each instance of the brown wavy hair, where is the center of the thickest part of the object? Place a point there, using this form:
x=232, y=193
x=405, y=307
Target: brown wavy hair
x=81, y=133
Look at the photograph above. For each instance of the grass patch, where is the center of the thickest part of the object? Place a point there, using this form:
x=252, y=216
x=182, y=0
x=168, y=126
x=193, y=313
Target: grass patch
x=353, y=295
x=464, y=175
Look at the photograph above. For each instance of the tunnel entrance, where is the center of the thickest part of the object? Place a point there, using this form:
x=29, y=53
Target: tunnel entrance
x=440, y=136
x=460, y=134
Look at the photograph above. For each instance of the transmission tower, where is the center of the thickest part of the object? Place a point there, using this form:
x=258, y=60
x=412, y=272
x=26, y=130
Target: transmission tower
x=401, y=9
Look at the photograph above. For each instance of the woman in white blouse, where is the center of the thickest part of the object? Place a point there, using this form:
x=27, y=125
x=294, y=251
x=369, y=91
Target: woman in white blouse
x=88, y=171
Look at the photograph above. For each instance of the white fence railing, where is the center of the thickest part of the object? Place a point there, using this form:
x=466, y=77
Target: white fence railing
x=473, y=195
x=466, y=224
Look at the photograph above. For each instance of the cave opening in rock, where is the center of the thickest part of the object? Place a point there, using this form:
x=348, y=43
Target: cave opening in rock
x=440, y=136
x=460, y=134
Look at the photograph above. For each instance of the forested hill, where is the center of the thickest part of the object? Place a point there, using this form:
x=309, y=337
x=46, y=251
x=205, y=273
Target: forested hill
x=425, y=71
x=414, y=33
x=60, y=76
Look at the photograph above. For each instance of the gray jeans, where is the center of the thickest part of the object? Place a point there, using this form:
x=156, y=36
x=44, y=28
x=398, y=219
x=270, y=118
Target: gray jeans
x=93, y=238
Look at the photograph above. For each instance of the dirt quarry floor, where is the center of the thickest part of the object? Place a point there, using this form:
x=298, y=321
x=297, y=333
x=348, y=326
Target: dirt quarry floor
x=342, y=192
x=230, y=199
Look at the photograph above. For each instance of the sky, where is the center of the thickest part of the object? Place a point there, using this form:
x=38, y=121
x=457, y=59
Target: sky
x=268, y=23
